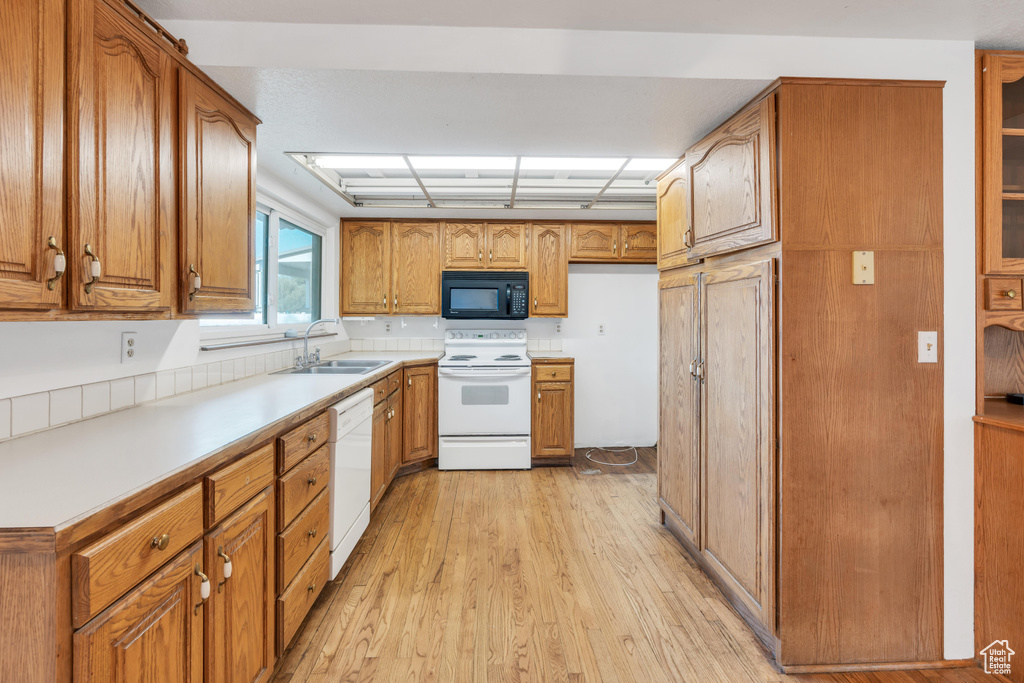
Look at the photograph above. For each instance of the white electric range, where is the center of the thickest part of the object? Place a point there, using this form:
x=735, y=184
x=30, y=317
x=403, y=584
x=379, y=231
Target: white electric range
x=483, y=391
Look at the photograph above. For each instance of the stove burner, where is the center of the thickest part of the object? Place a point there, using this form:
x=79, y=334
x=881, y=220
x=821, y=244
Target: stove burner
x=509, y=356
x=462, y=357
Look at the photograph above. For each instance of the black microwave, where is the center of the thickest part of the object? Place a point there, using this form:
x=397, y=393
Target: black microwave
x=484, y=295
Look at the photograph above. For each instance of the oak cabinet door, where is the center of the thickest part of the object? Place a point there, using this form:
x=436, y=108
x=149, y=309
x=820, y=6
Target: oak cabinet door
x=154, y=634
x=218, y=201
x=506, y=246
x=365, y=267
x=678, y=442
x=415, y=269
x=463, y=246
x=1002, y=81
x=379, y=452
x=31, y=163
x=552, y=427
x=737, y=439
x=121, y=182
x=240, y=611
x=419, y=414
x=639, y=242
x=394, y=458
x=549, y=272
x=594, y=242
x=673, y=223
x=731, y=183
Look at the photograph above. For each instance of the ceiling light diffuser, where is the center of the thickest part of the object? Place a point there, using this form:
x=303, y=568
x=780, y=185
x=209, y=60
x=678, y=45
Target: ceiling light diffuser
x=439, y=163
x=361, y=162
x=570, y=164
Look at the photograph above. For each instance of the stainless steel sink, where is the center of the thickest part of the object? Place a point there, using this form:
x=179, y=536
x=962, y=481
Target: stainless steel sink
x=337, y=367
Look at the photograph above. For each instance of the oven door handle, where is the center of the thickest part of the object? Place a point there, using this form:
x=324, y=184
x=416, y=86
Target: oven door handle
x=482, y=374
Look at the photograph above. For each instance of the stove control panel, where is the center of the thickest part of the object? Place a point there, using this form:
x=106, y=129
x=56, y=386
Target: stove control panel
x=487, y=335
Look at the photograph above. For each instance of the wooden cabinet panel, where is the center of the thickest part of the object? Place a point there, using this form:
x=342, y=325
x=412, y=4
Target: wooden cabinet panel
x=379, y=452
x=553, y=413
x=415, y=269
x=365, y=268
x=506, y=246
x=552, y=373
x=1002, y=164
x=31, y=165
x=218, y=201
x=678, y=441
x=296, y=543
x=419, y=414
x=394, y=381
x=731, y=183
x=122, y=184
x=301, y=485
x=1003, y=294
x=549, y=271
x=295, y=603
x=737, y=441
x=593, y=241
x=673, y=223
x=638, y=242
x=103, y=571
x=463, y=246
x=240, y=610
x=394, y=447
x=154, y=634
x=294, y=446
x=229, y=487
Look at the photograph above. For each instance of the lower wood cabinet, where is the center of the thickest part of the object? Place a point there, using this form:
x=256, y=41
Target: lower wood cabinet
x=419, y=414
x=552, y=417
x=239, y=557
x=379, y=453
x=394, y=447
x=386, y=455
x=155, y=633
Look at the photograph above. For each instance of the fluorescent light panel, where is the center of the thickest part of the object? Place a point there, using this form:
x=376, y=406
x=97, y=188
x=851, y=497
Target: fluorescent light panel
x=658, y=165
x=439, y=163
x=361, y=162
x=570, y=164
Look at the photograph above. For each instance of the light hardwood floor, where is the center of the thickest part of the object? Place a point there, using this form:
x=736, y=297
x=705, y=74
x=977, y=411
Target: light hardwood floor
x=548, y=575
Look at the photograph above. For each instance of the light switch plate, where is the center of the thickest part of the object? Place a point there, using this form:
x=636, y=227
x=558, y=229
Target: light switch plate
x=927, y=347
x=863, y=267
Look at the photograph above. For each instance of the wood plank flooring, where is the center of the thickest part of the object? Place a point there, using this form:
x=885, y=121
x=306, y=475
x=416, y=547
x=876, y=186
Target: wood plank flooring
x=555, y=574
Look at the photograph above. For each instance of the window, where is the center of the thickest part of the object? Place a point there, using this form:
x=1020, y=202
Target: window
x=289, y=276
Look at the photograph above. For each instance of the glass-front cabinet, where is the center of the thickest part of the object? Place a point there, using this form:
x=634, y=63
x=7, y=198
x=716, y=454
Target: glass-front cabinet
x=1002, y=153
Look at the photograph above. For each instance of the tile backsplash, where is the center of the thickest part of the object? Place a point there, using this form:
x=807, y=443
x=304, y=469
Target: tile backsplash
x=20, y=415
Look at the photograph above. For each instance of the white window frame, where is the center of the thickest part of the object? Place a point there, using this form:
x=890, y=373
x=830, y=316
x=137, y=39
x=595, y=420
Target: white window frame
x=328, y=302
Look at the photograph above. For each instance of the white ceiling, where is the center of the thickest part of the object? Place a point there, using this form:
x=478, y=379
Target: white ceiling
x=991, y=23
x=501, y=114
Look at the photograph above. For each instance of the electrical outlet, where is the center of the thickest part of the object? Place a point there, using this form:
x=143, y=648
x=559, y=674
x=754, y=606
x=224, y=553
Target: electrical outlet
x=129, y=347
x=558, y=328
x=600, y=328
x=387, y=328
x=927, y=347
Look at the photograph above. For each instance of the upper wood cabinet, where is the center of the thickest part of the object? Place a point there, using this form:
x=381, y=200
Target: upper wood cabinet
x=549, y=271
x=594, y=242
x=218, y=203
x=679, y=388
x=1002, y=163
x=419, y=414
x=390, y=268
x=463, y=245
x=639, y=242
x=731, y=183
x=122, y=86
x=506, y=245
x=673, y=223
x=415, y=269
x=240, y=610
x=31, y=164
x=155, y=633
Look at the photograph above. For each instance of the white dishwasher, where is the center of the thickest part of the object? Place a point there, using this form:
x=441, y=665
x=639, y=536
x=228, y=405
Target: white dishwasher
x=350, y=445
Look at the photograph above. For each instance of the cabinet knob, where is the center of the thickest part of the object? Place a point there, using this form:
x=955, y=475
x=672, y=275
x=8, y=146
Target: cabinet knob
x=1011, y=293
x=95, y=269
x=197, y=281
x=160, y=542
x=60, y=263
x=312, y=533
x=311, y=438
x=311, y=481
x=312, y=587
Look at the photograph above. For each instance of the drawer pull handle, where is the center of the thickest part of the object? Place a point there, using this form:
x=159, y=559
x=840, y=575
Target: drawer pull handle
x=204, y=588
x=160, y=542
x=688, y=238
x=197, y=281
x=1011, y=293
x=95, y=269
x=312, y=587
x=312, y=533
x=60, y=263
x=410, y=381
x=311, y=481
x=227, y=562
x=311, y=438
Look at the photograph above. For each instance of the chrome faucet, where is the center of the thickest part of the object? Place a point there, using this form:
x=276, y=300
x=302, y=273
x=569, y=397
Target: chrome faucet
x=307, y=359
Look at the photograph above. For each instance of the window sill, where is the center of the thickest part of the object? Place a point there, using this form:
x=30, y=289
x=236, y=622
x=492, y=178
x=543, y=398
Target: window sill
x=262, y=342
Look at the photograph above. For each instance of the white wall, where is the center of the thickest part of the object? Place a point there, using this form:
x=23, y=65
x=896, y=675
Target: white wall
x=616, y=385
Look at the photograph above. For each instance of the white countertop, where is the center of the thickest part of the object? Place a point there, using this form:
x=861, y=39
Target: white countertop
x=62, y=474
x=548, y=355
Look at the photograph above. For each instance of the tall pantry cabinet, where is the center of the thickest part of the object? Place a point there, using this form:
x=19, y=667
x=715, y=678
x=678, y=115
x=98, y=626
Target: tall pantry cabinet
x=800, y=456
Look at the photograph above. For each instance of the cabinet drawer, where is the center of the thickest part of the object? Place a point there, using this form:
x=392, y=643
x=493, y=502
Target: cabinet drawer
x=552, y=373
x=380, y=390
x=300, y=442
x=229, y=487
x=112, y=566
x=299, y=487
x=300, y=539
x=294, y=603
x=1003, y=294
x=394, y=382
